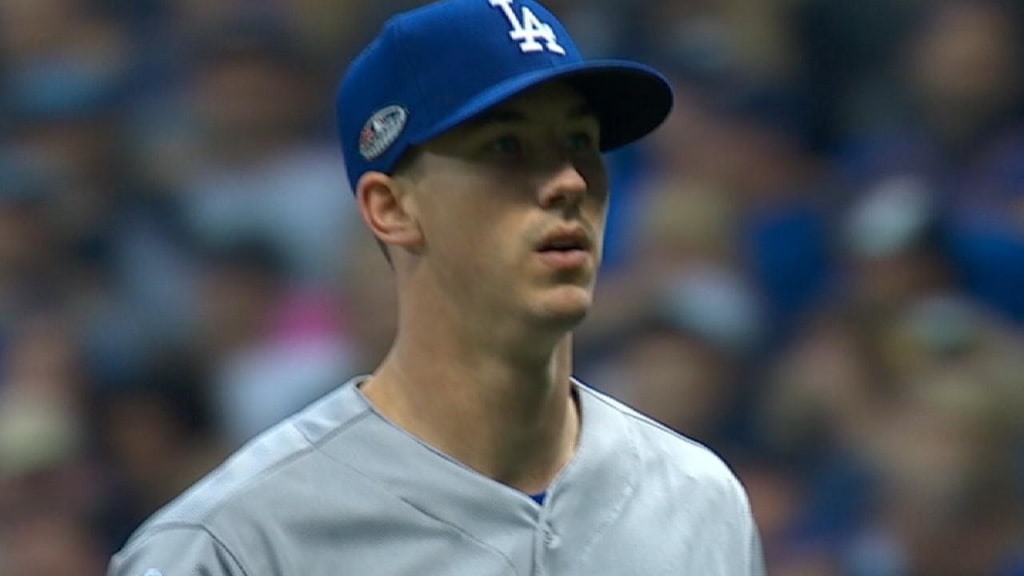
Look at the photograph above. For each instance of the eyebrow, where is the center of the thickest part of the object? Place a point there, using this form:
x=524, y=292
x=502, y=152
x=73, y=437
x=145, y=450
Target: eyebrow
x=512, y=116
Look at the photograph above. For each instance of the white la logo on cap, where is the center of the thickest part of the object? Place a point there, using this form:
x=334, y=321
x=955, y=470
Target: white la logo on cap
x=530, y=30
x=381, y=131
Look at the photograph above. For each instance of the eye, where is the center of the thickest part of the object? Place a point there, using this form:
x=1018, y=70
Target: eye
x=581, y=142
x=507, y=145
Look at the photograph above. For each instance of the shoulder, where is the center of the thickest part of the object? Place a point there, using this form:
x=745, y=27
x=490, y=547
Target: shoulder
x=678, y=478
x=175, y=549
x=668, y=454
x=231, y=507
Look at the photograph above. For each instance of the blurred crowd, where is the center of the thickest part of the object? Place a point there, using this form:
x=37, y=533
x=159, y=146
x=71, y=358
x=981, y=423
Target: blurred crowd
x=816, y=267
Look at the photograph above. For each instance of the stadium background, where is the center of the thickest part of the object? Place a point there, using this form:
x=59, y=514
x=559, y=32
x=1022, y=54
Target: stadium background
x=816, y=267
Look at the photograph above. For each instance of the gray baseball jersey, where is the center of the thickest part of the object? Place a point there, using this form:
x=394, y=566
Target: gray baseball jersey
x=338, y=490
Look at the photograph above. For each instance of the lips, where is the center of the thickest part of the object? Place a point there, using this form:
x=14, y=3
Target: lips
x=566, y=240
x=566, y=250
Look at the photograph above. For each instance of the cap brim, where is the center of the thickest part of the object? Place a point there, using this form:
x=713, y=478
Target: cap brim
x=629, y=99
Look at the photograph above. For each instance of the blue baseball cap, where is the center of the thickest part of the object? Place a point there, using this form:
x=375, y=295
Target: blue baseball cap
x=435, y=67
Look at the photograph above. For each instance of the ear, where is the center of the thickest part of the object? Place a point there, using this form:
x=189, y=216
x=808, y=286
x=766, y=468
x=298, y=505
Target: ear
x=389, y=210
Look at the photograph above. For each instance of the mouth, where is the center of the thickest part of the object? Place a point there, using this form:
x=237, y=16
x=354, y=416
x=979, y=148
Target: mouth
x=566, y=250
x=575, y=240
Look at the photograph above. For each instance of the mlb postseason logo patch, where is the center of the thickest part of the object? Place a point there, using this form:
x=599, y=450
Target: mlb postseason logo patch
x=528, y=30
x=381, y=131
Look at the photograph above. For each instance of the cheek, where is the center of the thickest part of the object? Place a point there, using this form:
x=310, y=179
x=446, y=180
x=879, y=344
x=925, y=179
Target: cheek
x=596, y=176
x=595, y=173
x=595, y=212
x=472, y=226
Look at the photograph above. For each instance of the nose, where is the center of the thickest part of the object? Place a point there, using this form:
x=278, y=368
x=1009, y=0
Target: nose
x=564, y=188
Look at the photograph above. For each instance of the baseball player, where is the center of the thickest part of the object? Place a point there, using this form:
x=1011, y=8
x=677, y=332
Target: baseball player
x=473, y=134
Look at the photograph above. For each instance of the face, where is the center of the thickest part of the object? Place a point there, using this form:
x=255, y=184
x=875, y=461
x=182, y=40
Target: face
x=512, y=206
x=965, y=63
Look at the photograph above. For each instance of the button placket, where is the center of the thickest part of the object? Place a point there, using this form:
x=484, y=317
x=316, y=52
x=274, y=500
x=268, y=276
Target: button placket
x=551, y=538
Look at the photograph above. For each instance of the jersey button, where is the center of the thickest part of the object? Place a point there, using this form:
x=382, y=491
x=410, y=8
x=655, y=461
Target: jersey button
x=550, y=538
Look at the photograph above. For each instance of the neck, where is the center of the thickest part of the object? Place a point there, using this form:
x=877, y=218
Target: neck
x=510, y=418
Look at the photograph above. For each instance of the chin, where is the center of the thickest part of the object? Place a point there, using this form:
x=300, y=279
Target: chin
x=565, y=306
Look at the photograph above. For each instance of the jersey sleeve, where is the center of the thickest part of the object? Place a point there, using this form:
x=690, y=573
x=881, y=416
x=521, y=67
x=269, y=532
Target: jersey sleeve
x=757, y=567
x=184, y=550
x=755, y=564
